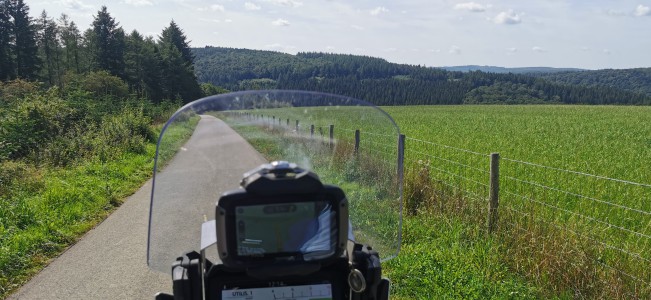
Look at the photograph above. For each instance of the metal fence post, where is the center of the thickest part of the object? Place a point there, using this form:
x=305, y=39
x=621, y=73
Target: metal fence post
x=494, y=192
x=297, y=126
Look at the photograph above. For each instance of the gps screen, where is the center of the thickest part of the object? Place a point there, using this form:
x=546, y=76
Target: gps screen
x=297, y=227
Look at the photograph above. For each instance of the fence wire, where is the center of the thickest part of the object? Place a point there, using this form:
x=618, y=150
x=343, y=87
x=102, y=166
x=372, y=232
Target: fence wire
x=612, y=215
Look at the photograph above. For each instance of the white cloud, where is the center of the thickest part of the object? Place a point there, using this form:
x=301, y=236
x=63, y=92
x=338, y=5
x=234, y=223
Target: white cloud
x=215, y=7
x=139, y=2
x=378, y=10
x=511, y=51
x=390, y=50
x=280, y=22
x=585, y=49
x=607, y=51
x=470, y=6
x=281, y=48
x=508, y=17
x=228, y=21
x=434, y=50
x=251, y=6
x=357, y=27
x=209, y=20
x=75, y=4
x=454, y=50
x=642, y=10
x=287, y=3
x=538, y=49
x=330, y=48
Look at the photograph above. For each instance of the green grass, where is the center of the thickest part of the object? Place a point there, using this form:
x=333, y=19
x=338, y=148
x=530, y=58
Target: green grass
x=570, y=235
x=49, y=208
x=613, y=141
x=39, y=223
x=440, y=258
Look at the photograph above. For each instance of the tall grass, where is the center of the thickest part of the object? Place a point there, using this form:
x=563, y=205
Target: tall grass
x=573, y=235
x=433, y=263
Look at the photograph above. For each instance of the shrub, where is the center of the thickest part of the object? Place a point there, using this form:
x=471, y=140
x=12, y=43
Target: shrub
x=31, y=123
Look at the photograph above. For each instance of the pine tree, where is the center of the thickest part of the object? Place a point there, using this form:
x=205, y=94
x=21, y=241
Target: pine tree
x=6, y=41
x=25, y=49
x=174, y=35
x=108, y=43
x=49, y=48
x=178, y=76
x=143, y=66
x=71, y=40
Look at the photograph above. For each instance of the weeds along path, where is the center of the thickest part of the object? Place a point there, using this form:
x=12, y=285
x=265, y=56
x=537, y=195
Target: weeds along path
x=109, y=261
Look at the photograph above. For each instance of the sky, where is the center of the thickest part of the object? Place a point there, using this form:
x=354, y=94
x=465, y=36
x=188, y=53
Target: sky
x=594, y=34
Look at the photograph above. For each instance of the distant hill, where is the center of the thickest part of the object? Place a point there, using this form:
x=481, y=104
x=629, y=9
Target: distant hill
x=634, y=80
x=384, y=83
x=523, y=70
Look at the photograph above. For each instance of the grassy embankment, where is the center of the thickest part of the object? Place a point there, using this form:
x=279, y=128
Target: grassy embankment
x=69, y=158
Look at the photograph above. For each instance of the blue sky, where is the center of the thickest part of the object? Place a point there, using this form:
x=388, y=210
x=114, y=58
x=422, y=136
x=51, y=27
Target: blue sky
x=557, y=33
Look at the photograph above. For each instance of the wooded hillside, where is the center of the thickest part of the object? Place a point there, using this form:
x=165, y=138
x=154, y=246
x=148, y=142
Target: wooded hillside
x=386, y=83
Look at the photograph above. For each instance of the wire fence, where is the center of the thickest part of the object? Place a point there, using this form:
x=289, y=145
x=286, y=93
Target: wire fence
x=577, y=224
x=550, y=215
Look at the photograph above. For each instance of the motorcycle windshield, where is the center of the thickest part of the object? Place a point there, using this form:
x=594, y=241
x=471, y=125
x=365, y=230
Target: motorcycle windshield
x=207, y=145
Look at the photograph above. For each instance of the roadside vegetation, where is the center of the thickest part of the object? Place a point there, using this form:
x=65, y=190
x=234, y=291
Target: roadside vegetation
x=79, y=118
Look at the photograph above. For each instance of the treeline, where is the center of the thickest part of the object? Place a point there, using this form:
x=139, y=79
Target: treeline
x=52, y=51
x=68, y=97
x=636, y=80
x=385, y=83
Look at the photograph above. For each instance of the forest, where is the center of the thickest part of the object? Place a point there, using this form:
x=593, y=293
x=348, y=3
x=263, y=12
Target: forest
x=637, y=80
x=385, y=83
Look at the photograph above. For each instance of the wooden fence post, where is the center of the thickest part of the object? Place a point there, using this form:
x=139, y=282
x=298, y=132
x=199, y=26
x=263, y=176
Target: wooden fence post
x=332, y=135
x=401, y=155
x=356, y=141
x=494, y=192
x=296, y=126
x=287, y=122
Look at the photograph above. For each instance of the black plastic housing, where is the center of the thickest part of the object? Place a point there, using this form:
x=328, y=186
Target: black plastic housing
x=226, y=226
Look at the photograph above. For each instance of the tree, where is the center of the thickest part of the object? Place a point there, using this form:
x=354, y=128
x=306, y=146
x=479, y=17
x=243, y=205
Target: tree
x=108, y=43
x=178, y=76
x=143, y=66
x=173, y=35
x=49, y=48
x=71, y=40
x=25, y=49
x=6, y=40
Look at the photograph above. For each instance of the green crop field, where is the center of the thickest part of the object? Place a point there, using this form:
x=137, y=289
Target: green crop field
x=613, y=141
x=574, y=216
x=574, y=186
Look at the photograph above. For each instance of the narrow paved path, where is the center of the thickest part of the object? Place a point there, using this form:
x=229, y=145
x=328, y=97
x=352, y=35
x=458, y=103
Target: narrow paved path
x=109, y=261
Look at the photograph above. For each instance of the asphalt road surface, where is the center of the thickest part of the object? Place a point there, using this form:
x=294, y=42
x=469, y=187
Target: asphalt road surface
x=109, y=262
